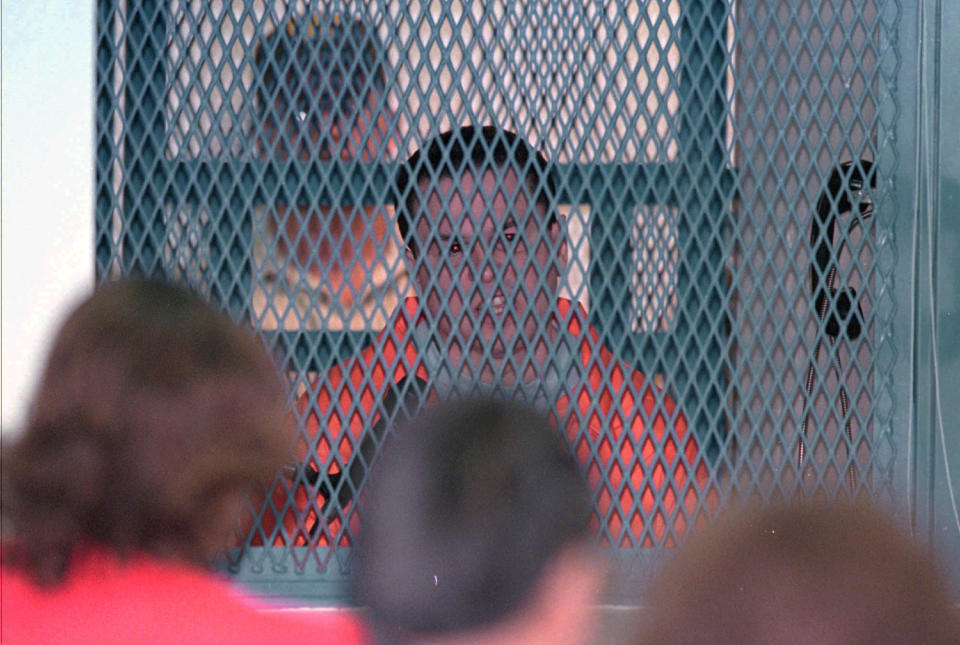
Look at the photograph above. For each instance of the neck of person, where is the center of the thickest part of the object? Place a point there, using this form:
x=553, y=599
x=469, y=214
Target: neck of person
x=560, y=610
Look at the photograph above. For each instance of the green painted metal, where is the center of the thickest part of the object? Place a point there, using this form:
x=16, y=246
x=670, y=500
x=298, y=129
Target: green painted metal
x=928, y=291
x=946, y=300
x=764, y=190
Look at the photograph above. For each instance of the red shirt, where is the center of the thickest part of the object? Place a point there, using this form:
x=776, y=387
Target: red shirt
x=145, y=600
x=604, y=415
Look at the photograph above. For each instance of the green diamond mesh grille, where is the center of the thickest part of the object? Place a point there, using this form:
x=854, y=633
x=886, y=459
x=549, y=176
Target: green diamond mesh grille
x=692, y=276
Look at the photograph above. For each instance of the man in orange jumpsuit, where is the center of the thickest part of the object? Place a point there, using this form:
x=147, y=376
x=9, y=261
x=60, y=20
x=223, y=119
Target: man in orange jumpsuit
x=485, y=256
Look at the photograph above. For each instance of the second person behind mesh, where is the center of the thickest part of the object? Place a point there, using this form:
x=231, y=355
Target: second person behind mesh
x=476, y=530
x=320, y=263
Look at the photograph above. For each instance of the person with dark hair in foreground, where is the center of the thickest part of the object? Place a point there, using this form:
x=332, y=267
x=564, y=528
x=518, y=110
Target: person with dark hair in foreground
x=476, y=531
x=154, y=418
x=806, y=574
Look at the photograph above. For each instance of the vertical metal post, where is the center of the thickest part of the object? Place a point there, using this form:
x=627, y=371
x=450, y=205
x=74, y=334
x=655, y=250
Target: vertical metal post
x=144, y=138
x=107, y=56
x=704, y=194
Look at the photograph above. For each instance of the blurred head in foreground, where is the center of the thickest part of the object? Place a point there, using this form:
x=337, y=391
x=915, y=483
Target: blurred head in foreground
x=153, y=417
x=804, y=574
x=475, y=531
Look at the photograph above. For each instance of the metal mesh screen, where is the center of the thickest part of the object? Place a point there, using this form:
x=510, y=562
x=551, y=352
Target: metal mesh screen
x=682, y=254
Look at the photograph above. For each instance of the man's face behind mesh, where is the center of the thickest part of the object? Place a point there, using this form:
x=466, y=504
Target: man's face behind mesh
x=487, y=273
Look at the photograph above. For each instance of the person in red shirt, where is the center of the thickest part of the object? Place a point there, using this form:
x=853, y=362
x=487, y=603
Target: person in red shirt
x=485, y=255
x=154, y=417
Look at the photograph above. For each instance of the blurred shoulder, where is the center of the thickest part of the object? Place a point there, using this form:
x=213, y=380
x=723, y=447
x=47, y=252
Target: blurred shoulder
x=107, y=600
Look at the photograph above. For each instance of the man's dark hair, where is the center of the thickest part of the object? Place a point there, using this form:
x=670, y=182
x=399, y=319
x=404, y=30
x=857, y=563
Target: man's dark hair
x=466, y=508
x=473, y=150
x=152, y=411
x=316, y=65
x=801, y=573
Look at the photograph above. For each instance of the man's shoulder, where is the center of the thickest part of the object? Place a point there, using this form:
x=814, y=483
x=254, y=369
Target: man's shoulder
x=396, y=334
x=390, y=358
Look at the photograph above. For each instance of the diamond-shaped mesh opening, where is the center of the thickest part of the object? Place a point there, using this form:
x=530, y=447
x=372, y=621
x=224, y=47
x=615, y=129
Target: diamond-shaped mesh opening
x=682, y=254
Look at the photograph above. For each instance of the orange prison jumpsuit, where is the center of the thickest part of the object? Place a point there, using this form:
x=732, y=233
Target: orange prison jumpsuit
x=603, y=418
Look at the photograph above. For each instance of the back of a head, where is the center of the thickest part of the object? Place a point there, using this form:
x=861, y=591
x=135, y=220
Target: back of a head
x=801, y=573
x=467, y=507
x=152, y=413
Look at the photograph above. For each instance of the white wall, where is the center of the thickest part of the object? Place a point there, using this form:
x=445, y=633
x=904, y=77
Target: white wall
x=46, y=222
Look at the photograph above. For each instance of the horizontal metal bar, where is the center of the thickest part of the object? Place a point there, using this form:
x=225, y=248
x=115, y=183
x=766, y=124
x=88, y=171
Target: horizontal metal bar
x=356, y=182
